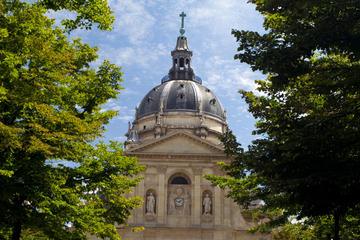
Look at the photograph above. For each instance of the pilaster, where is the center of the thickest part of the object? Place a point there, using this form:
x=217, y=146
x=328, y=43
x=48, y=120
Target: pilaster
x=217, y=206
x=227, y=211
x=197, y=196
x=162, y=194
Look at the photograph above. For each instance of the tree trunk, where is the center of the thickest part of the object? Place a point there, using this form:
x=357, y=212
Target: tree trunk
x=328, y=236
x=336, y=225
x=16, y=231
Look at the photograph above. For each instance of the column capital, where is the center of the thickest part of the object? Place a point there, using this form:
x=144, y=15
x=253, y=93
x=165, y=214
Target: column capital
x=197, y=170
x=161, y=169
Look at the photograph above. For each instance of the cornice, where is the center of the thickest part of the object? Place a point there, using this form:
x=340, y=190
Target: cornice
x=172, y=135
x=185, y=156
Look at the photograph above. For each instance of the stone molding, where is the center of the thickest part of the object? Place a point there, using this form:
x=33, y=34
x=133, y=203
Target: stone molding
x=197, y=170
x=161, y=169
x=218, y=149
x=161, y=156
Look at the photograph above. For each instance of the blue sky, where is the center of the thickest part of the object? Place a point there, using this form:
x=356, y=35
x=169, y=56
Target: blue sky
x=145, y=33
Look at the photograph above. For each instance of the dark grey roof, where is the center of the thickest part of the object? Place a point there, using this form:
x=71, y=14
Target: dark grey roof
x=151, y=102
x=180, y=95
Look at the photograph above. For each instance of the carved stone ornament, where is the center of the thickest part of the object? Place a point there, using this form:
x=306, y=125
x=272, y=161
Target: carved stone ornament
x=179, y=202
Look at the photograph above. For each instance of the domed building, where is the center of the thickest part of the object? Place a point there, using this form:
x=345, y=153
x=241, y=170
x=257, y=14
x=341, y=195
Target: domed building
x=179, y=103
x=175, y=134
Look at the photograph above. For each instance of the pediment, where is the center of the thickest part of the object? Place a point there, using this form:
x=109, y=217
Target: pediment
x=179, y=143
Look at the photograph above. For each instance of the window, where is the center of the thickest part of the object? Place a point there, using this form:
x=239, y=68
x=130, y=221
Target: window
x=179, y=180
x=181, y=62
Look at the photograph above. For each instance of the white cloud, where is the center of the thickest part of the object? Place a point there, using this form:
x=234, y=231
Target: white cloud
x=220, y=16
x=141, y=56
x=132, y=20
x=136, y=80
x=119, y=139
x=226, y=77
x=124, y=118
x=242, y=109
x=115, y=106
x=129, y=91
x=125, y=113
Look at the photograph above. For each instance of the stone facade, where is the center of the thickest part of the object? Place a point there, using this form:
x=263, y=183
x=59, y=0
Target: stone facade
x=175, y=164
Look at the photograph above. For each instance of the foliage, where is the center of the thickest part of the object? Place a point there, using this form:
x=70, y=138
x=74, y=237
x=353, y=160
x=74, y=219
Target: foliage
x=296, y=231
x=87, y=13
x=52, y=176
x=26, y=234
x=306, y=157
x=320, y=228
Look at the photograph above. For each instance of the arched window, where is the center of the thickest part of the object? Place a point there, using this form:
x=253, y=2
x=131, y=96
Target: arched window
x=179, y=179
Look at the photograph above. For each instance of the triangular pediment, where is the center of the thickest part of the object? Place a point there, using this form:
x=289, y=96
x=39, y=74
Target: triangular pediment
x=178, y=143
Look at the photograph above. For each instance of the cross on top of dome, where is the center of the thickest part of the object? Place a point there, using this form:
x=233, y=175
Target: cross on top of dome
x=182, y=29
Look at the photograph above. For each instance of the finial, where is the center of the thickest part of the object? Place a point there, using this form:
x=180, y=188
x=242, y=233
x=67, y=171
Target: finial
x=182, y=30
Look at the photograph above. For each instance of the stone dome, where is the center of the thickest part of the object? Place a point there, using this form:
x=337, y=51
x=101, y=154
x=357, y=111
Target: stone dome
x=179, y=104
x=180, y=96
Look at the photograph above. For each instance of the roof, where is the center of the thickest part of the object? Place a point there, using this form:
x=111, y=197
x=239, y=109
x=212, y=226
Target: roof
x=180, y=95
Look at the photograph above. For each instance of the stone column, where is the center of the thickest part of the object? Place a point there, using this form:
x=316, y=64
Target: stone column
x=162, y=194
x=196, y=214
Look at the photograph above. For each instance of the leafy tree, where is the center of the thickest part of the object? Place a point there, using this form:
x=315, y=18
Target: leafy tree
x=27, y=234
x=52, y=175
x=87, y=13
x=294, y=231
x=316, y=228
x=305, y=160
